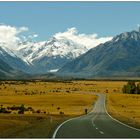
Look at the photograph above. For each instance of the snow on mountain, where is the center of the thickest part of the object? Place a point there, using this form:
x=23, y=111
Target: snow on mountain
x=3, y=49
x=31, y=51
x=118, y=57
x=46, y=56
x=61, y=48
x=28, y=51
x=10, y=58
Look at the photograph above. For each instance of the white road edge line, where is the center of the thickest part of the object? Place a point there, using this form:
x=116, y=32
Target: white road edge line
x=55, y=132
x=118, y=120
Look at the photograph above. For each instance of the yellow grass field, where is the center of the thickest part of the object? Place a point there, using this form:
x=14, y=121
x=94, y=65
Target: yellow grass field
x=29, y=126
x=71, y=97
x=40, y=88
x=125, y=107
x=44, y=96
x=70, y=104
x=53, y=98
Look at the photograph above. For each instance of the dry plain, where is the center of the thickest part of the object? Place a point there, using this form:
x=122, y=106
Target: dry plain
x=125, y=107
x=58, y=101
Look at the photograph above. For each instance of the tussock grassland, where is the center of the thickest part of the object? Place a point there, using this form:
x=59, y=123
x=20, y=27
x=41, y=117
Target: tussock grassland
x=125, y=107
x=29, y=126
x=53, y=98
x=70, y=104
x=41, y=88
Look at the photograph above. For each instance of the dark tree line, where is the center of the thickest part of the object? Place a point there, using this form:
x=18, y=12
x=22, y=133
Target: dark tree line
x=131, y=88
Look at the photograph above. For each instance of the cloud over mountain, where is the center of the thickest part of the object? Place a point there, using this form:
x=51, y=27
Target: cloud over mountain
x=9, y=35
x=88, y=40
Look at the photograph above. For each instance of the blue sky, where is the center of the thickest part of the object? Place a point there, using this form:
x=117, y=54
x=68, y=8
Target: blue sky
x=48, y=18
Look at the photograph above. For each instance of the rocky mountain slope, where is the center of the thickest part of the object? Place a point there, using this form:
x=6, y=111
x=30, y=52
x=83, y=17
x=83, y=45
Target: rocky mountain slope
x=34, y=57
x=118, y=57
x=47, y=56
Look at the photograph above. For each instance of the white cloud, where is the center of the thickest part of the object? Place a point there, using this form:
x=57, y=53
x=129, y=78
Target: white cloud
x=33, y=36
x=9, y=35
x=88, y=40
x=22, y=29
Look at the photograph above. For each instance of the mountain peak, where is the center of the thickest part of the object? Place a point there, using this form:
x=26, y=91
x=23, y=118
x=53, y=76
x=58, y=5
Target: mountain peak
x=133, y=35
x=118, y=57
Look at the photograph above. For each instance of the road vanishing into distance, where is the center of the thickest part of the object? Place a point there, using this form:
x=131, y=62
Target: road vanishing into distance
x=97, y=124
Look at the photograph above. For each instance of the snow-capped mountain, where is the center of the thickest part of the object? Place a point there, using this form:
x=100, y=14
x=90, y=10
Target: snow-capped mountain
x=49, y=55
x=11, y=66
x=9, y=57
x=32, y=51
x=62, y=47
x=118, y=57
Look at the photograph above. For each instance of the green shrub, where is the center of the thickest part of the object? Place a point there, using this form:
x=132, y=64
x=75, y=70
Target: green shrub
x=131, y=88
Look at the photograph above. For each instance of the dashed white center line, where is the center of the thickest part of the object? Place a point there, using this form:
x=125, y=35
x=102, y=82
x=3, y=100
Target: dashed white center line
x=101, y=132
x=92, y=120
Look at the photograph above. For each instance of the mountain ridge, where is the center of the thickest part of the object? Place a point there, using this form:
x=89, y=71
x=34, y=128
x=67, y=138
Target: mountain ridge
x=113, y=58
x=64, y=57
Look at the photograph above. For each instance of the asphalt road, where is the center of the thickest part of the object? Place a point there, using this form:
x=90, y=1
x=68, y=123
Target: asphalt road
x=96, y=124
